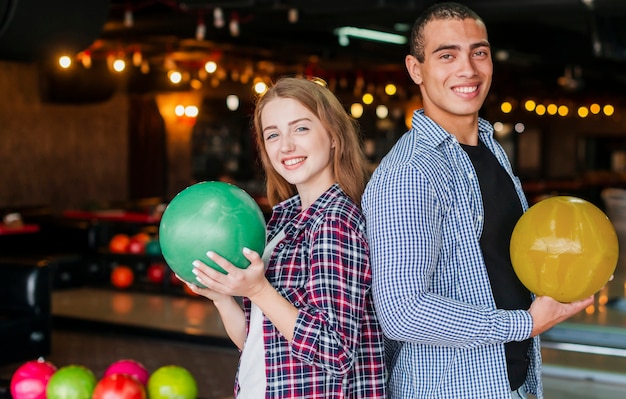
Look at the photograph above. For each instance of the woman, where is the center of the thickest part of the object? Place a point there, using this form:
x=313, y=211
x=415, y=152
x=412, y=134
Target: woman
x=307, y=328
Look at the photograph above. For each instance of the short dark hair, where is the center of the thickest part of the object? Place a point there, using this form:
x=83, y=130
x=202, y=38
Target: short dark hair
x=438, y=11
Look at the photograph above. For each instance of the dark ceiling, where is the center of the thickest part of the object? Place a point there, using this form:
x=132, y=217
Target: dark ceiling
x=541, y=39
x=535, y=42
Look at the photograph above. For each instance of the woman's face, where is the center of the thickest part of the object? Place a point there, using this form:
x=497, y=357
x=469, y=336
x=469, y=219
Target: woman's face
x=298, y=145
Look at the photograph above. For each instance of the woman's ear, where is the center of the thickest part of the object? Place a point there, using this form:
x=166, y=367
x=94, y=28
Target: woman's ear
x=413, y=66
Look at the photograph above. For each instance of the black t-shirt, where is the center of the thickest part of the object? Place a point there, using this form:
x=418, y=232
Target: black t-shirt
x=502, y=209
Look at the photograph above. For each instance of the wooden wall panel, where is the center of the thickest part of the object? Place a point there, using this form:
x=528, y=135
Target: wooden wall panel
x=59, y=155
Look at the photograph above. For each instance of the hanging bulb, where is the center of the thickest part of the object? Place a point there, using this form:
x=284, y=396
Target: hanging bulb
x=201, y=27
x=218, y=18
x=85, y=59
x=145, y=67
x=169, y=63
x=129, y=19
x=292, y=15
x=137, y=58
x=200, y=31
x=233, y=26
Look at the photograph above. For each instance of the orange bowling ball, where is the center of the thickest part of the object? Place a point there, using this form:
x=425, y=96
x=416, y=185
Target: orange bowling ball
x=119, y=243
x=122, y=276
x=564, y=247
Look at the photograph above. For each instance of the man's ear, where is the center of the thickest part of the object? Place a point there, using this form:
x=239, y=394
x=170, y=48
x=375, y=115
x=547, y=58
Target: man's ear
x=413, y=66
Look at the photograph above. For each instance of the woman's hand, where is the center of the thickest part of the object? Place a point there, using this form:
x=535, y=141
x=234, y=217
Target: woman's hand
x=238, y=282
x=205, y=292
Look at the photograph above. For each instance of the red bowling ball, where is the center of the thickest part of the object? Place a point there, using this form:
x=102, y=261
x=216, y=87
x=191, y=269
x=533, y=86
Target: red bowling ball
x=30, y=380
x=119, y=386
x=130, y=367
x=156, y=272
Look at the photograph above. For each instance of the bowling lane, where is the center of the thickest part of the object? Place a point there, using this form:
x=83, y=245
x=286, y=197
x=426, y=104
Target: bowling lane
x=178, y=315
x=159, y=329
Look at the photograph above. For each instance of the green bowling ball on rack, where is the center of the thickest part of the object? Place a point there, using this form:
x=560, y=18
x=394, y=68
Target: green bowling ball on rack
x=153, y=247
x=71, y=382
x=210, y=216
x=172, y=382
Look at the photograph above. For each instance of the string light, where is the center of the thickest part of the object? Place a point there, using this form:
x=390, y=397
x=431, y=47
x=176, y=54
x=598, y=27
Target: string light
x=145, y=67
x=232, y=102
x=506, y=107
x=356, y=110
x=210, y=66
x=390, y=89
x=85, y=58
x=175, y=76
x=260, y=87
x=65, y=62
x=382, y=111
x=119, y=64
x=137, y=58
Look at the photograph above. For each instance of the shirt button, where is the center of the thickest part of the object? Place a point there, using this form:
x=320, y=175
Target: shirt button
x=480, y=218
x=470, y=176
x=281, y=245
x=296, y=303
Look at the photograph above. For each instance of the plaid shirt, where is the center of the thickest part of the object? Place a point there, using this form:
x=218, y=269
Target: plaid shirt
x=424, y=216
x=322, y=268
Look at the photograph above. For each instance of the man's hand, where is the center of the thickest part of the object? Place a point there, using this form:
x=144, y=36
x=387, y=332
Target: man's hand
x=547, y=312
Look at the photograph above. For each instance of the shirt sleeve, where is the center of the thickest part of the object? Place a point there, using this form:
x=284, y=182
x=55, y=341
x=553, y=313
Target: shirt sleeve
x=327, y=328
x=413, y=259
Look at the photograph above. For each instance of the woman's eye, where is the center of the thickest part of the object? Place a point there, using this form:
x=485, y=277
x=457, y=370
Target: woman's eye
x=271, y=136
x=301, y=129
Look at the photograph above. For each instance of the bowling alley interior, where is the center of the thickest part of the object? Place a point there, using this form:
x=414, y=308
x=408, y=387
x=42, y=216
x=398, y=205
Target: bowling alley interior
x=110, y=108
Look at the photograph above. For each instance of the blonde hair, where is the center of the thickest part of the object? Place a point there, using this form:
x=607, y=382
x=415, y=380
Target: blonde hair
x=348, y=159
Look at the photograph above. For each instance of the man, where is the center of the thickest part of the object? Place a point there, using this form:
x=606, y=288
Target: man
x=440, y=210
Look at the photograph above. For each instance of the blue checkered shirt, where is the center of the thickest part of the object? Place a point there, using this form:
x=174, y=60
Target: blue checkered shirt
x=432, y=294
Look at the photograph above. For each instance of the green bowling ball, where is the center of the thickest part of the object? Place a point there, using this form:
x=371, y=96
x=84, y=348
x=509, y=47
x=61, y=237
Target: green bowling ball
x=210, y=216
x=153, y=248
x=172, y=382
x=71, y=382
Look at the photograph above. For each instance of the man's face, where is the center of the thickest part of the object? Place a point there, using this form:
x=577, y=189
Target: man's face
x=456, y=74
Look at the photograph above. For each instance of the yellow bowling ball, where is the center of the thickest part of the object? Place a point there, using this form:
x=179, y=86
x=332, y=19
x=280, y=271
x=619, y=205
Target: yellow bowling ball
x=564, y=247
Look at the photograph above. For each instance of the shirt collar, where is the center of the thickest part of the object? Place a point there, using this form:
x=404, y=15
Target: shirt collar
x=291, y=209
x=438, y=135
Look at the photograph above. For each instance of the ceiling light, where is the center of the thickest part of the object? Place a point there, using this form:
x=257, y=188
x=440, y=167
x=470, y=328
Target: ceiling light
x=232, y=102
x=65, y=61
x=345, y=32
